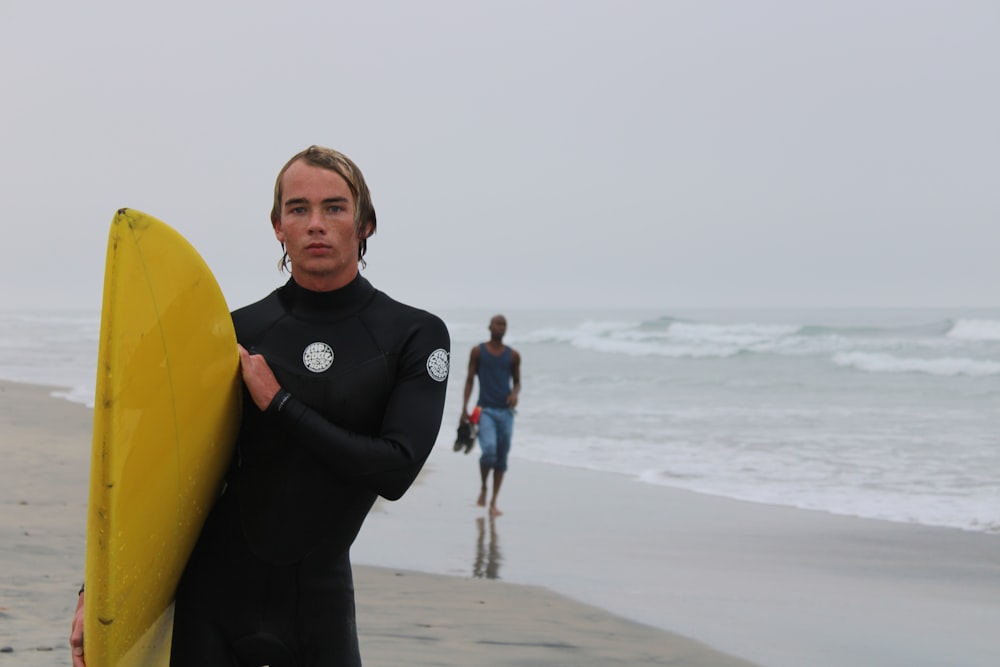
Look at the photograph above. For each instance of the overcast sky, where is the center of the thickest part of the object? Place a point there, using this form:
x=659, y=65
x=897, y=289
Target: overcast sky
x=522, y=153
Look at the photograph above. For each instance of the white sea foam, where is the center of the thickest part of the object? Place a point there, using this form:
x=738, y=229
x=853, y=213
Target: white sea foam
x=879, y=476
x=677, y=338
x=671, y=338
x=985, y=330
x=740, y=335
x=881, y=415
x=887, y=363
x=58, y=349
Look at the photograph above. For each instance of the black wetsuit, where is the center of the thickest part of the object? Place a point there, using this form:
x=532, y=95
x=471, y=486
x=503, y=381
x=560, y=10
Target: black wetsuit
x=363, y=382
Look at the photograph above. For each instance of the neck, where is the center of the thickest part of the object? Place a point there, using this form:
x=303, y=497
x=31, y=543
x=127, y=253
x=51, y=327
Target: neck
x=323, y=282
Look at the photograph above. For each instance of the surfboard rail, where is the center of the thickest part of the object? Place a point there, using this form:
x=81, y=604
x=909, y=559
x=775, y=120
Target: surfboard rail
x=166, y=414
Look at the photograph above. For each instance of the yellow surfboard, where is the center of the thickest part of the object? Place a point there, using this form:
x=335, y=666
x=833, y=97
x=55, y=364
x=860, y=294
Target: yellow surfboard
x=166, y=413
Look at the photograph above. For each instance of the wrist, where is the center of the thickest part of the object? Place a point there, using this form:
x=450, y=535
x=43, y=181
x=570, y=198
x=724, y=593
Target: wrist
x=279, y=402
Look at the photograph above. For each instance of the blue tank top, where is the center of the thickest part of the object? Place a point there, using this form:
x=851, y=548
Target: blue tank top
x=494, y=378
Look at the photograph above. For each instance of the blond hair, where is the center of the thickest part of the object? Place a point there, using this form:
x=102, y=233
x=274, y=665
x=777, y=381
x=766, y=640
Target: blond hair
x=337, y=162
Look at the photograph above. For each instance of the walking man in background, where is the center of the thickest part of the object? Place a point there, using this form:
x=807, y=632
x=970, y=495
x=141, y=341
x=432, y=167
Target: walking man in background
x=498, y=368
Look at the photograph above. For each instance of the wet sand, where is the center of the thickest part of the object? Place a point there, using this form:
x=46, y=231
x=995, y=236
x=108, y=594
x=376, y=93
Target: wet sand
x=778, y=586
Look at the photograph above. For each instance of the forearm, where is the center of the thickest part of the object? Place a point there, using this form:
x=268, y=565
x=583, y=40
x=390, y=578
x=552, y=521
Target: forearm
x=387, y=461
x=466, y=395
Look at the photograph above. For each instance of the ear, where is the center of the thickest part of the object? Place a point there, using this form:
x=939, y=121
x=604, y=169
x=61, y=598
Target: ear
x=278, y=233
x=366, y=232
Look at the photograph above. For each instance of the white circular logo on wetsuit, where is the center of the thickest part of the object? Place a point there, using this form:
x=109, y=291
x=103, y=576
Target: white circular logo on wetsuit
x=318, y=357
x=437, y=365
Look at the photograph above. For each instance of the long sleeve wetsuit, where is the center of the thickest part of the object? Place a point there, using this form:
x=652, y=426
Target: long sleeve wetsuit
x=363, y=383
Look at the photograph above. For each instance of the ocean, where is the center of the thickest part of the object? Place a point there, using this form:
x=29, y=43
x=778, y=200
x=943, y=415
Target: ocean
x=887, y=414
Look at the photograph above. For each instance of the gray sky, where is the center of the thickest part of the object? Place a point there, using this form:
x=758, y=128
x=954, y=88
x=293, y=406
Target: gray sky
x=636, y=153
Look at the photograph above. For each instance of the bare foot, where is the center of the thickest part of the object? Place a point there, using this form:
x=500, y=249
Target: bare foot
x=482, y=498
x=494, y=511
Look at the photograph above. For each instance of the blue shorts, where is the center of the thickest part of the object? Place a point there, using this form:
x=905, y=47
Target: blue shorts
x=496, y=425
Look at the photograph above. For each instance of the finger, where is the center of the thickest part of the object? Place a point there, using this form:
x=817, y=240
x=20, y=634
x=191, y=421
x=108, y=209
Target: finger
x=77, y=646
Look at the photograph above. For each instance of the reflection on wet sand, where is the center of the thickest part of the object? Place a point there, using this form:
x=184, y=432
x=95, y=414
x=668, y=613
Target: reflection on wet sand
x=488, y=556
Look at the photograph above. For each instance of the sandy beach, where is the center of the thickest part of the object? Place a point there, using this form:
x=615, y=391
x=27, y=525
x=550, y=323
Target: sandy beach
x=584, y=568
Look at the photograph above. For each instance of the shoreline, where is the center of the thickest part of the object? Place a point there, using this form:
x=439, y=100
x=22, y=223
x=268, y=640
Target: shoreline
x=612, y=571
x=405, y=616
x=779, y=586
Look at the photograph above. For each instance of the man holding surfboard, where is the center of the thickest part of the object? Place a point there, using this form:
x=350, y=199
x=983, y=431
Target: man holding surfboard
x=344, y=390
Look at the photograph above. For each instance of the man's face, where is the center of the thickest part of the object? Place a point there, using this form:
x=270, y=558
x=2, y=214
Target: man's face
x=498, y=327
x=317, y=227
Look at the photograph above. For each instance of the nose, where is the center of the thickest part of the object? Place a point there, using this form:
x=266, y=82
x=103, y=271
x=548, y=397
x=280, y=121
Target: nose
x=316, y=222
